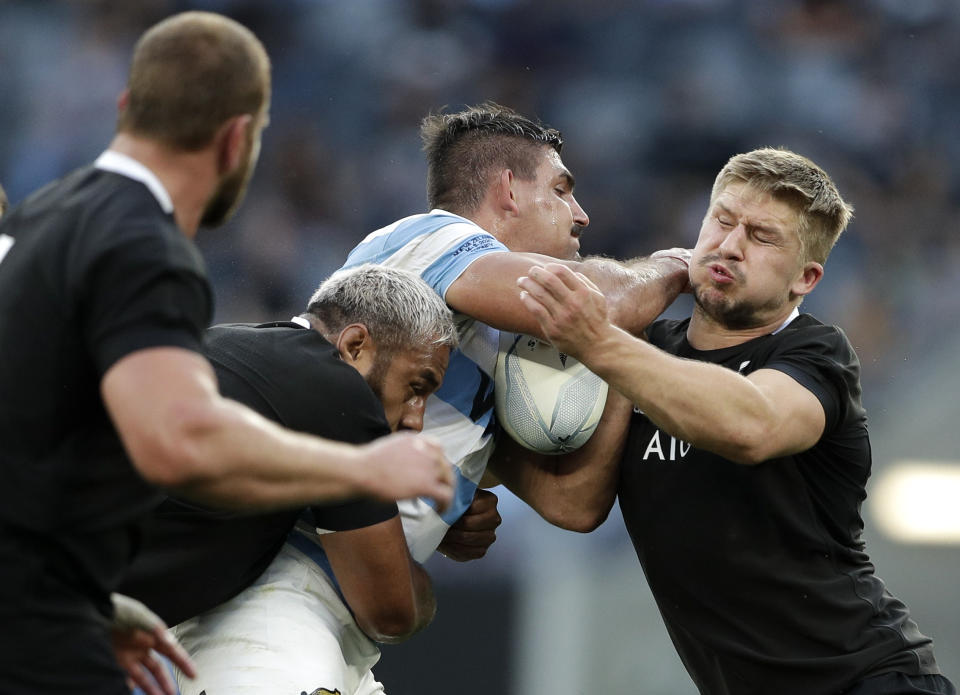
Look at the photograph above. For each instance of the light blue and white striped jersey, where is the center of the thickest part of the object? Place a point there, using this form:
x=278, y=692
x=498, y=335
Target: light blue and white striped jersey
x=439, y=246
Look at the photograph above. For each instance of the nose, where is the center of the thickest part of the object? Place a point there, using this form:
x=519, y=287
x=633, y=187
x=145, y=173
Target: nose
x=412, y=417
x=579, y=214
x=732, y=244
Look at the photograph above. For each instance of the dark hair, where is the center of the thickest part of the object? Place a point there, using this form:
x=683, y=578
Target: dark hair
x=464, y=148
x=190, y=73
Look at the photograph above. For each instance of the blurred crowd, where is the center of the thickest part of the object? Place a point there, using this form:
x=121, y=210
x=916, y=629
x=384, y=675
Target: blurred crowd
x=652, y=96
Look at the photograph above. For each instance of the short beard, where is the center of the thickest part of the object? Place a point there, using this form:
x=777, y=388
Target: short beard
x=378, y=373
x=231, y=190
x=227, y=198
x=736, y=316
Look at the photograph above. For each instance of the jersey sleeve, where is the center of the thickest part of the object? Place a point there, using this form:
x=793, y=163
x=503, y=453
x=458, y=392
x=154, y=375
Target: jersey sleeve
x=438, y=247
x=821, y=359
x=149, y=291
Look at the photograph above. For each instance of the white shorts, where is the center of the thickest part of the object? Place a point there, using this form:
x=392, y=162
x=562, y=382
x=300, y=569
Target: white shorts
x=287, y=634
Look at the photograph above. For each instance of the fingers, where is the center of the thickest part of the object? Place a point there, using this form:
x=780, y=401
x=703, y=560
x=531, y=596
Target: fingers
x=137, y=651
x=481, y=515
x=168, y=645
x=153, y=677
x=131, y=614
x=138, y=675
x=460, y=552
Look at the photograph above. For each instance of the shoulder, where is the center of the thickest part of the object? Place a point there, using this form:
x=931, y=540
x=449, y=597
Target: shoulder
x=668, y=334
x=115, y=215
x=806, y=333
x=435, y=233
x=300, y=375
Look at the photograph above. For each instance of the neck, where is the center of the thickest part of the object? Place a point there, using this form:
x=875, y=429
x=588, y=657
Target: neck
x=189, y=177
x=706, y=333
x=487, y=220
x=318, y=325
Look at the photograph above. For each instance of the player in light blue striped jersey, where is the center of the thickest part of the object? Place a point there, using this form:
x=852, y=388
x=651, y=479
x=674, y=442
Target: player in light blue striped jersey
x=501, y=200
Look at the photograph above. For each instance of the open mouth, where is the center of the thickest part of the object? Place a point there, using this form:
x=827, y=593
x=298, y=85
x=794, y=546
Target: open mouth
x=720, y=273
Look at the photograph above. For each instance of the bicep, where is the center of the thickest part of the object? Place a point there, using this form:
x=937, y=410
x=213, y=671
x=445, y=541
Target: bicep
x=487, y=291
x=798, y=416
x=149, y=393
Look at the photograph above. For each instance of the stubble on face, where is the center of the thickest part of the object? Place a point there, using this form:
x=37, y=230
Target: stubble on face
x=231, y=190
x=734, y=314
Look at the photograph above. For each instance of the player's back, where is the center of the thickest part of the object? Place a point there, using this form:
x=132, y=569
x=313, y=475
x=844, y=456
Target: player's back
x=83, y=255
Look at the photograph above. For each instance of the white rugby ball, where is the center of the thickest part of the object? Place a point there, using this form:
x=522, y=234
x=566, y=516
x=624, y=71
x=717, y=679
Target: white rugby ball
x=545, y=400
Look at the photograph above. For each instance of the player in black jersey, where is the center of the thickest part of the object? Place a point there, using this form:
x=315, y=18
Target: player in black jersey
x=360, y=363
x=748, y=454
x=103, y=391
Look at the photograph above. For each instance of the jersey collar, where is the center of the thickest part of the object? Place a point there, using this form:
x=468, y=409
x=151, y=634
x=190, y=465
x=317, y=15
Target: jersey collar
x=793, y=314
x=128, y=166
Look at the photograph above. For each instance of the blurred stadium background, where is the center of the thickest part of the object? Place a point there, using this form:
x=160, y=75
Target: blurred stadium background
x=653, y=96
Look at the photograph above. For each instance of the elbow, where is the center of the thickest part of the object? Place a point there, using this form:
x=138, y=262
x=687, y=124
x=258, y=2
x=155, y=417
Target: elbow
x=747, y=448
x=390, y=624
x=576, y=519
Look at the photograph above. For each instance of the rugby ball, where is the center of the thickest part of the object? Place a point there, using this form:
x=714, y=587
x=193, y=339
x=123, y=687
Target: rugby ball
x=545, y=400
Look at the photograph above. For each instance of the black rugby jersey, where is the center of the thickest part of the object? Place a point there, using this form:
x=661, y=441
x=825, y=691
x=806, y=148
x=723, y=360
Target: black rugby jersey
x=93, y=268
x=760, y=571
x=96, y=270
x=195, y=559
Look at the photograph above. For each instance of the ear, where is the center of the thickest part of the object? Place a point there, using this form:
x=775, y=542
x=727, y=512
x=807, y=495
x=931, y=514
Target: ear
x=234, y=138
x=505, y=195
x=356, y=347
x=123, y=101
x=807, y=279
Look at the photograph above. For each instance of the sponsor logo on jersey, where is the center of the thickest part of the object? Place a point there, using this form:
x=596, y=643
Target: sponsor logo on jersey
x=664, y=451
x=321, y=691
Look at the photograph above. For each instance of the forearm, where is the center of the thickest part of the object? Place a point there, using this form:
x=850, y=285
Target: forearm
x=574, y=491
x=233, y=458
x=637, y=291
x=706, y=405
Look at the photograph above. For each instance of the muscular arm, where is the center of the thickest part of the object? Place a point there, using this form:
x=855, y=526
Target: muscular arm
x=391, y=595
x=182, y=435
x=748, y=419
x=574, y=491
x=638, y=291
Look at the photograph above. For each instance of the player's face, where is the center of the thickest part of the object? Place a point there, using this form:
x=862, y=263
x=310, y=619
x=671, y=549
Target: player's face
x=233, y=187
x=405, y=380
x=550, y=218
x=747, y=265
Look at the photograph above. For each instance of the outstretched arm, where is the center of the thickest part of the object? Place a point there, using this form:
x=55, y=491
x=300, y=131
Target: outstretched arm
x=574, y=491
x=638, y=290
x=182, y=435
x=748, y=419
x=390, y=594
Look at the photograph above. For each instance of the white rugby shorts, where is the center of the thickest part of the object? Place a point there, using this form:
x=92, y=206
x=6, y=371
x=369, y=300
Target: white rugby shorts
x=289, y=633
